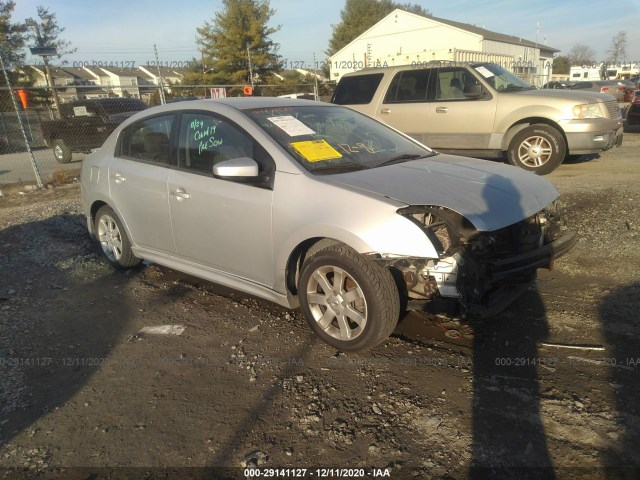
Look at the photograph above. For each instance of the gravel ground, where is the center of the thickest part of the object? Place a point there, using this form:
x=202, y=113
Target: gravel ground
x=246, y=384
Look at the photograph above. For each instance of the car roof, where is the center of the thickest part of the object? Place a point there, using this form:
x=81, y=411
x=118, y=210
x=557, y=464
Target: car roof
x=247, y=103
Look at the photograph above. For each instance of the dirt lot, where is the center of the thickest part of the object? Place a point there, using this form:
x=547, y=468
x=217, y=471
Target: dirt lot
x=246, y=383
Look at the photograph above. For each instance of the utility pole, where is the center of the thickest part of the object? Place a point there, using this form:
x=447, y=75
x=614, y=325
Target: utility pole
x=315, y=77
x=160, y=79
x=44, y=52
x=250, y=67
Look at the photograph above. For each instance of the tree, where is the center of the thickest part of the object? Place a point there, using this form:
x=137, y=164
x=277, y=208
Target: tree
x=580, y=54
x=12, y=39
x=12, y=36
x=49, y=32
x=236, y=32
x=561, y=65
x=357, y=16
x=618, y=50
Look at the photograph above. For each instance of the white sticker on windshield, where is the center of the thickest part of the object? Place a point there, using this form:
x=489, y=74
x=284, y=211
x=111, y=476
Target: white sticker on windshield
x=80, y=111
x=486, y=73
x=291, y=125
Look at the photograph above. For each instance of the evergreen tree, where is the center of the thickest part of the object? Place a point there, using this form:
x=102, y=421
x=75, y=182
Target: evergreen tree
x=12, y=40
x=240, y=26
x=12, y=37
x=357, y=16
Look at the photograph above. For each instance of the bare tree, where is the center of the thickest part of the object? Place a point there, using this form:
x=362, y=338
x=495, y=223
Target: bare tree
x=580, y=54
x=618, y=50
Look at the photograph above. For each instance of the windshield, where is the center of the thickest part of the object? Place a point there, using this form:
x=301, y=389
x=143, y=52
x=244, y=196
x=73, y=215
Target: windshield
x=501, y=79
x=327, y=139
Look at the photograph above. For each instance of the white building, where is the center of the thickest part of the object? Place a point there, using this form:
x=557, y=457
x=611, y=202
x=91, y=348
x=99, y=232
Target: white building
x=403, y=38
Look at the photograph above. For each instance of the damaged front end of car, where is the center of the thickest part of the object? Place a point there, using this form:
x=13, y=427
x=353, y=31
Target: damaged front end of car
x=478, y=273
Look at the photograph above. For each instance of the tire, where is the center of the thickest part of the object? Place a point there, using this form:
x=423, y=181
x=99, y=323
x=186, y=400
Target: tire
x=114, y=243
x=356, y=313
x=61, y=151
x=537, y=148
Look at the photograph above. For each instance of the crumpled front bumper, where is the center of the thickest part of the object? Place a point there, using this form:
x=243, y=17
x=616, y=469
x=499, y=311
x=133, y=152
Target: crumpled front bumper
x=542, y=257
x=515, y=274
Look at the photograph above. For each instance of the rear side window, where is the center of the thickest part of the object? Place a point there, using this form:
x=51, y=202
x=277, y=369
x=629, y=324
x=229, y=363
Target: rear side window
x=408, y=86
x=356, y=90
x=148, y=140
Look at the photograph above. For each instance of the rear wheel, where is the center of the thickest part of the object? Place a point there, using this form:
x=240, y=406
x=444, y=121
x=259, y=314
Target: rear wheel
x=349, y=301
x=61, y=151
x=537, y=148
x=113, y=239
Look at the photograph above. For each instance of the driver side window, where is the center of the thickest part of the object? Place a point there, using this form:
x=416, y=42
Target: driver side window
x=451, y=83
x=205, y=140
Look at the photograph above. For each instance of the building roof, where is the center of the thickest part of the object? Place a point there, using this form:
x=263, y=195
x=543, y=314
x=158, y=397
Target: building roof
x=78, y=72
x=122, y=72
x=486, y=34
x=165, y=71
x=55, y=71
x=494, y=36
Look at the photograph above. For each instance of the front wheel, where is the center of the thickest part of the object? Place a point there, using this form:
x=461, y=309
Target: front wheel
x=349, y=301
x=537, y=148
x=61, y=151
x=113, y=239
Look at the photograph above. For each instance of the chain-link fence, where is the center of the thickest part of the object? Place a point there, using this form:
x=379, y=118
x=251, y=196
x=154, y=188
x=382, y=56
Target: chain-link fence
x=42, y=144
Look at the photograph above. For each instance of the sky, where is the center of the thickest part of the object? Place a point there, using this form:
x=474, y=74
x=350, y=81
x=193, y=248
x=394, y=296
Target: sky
x=126, y=30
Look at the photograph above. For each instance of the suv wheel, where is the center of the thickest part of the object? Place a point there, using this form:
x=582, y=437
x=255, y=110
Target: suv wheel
x=349, y=301
x=537, y=148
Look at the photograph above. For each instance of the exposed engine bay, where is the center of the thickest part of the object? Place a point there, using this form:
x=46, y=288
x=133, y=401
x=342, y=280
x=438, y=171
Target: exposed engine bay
x=478, y=273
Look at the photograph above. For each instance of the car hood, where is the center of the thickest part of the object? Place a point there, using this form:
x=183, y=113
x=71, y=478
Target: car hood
x=489, y=195
x=581, y=96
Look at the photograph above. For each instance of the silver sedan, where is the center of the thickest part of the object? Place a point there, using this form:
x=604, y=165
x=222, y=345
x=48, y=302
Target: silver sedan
x=316, y=206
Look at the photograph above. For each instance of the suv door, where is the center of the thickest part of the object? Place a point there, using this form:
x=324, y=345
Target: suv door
x=455, y=120
x=221, y=223
x=404, y=106
x=138, y=182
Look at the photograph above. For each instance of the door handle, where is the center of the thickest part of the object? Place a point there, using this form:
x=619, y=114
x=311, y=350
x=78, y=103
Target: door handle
x=180, y=194
x=441, y=110
x=118, y=177
x=385, y=111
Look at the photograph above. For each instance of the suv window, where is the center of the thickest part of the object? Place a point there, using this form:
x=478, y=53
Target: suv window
x=408, y=86
x=450, y=83
x=148, y=140
x=356, y=90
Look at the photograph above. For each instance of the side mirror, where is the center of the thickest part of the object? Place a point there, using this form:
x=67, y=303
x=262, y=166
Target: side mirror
x=236, y=167
x=474, y=91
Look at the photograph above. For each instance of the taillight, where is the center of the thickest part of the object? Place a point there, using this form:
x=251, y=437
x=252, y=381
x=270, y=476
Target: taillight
x=604, y=89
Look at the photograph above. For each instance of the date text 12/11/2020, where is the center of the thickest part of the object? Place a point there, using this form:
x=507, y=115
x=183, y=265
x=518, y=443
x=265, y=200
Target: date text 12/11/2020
x=181, y=64
x=287, y=64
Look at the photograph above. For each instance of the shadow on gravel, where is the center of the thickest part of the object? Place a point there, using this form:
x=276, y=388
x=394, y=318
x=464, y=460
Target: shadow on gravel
x=620, y=317
x=508, y=435
x=261, y=410
x=575, y=159
x=62, y=310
